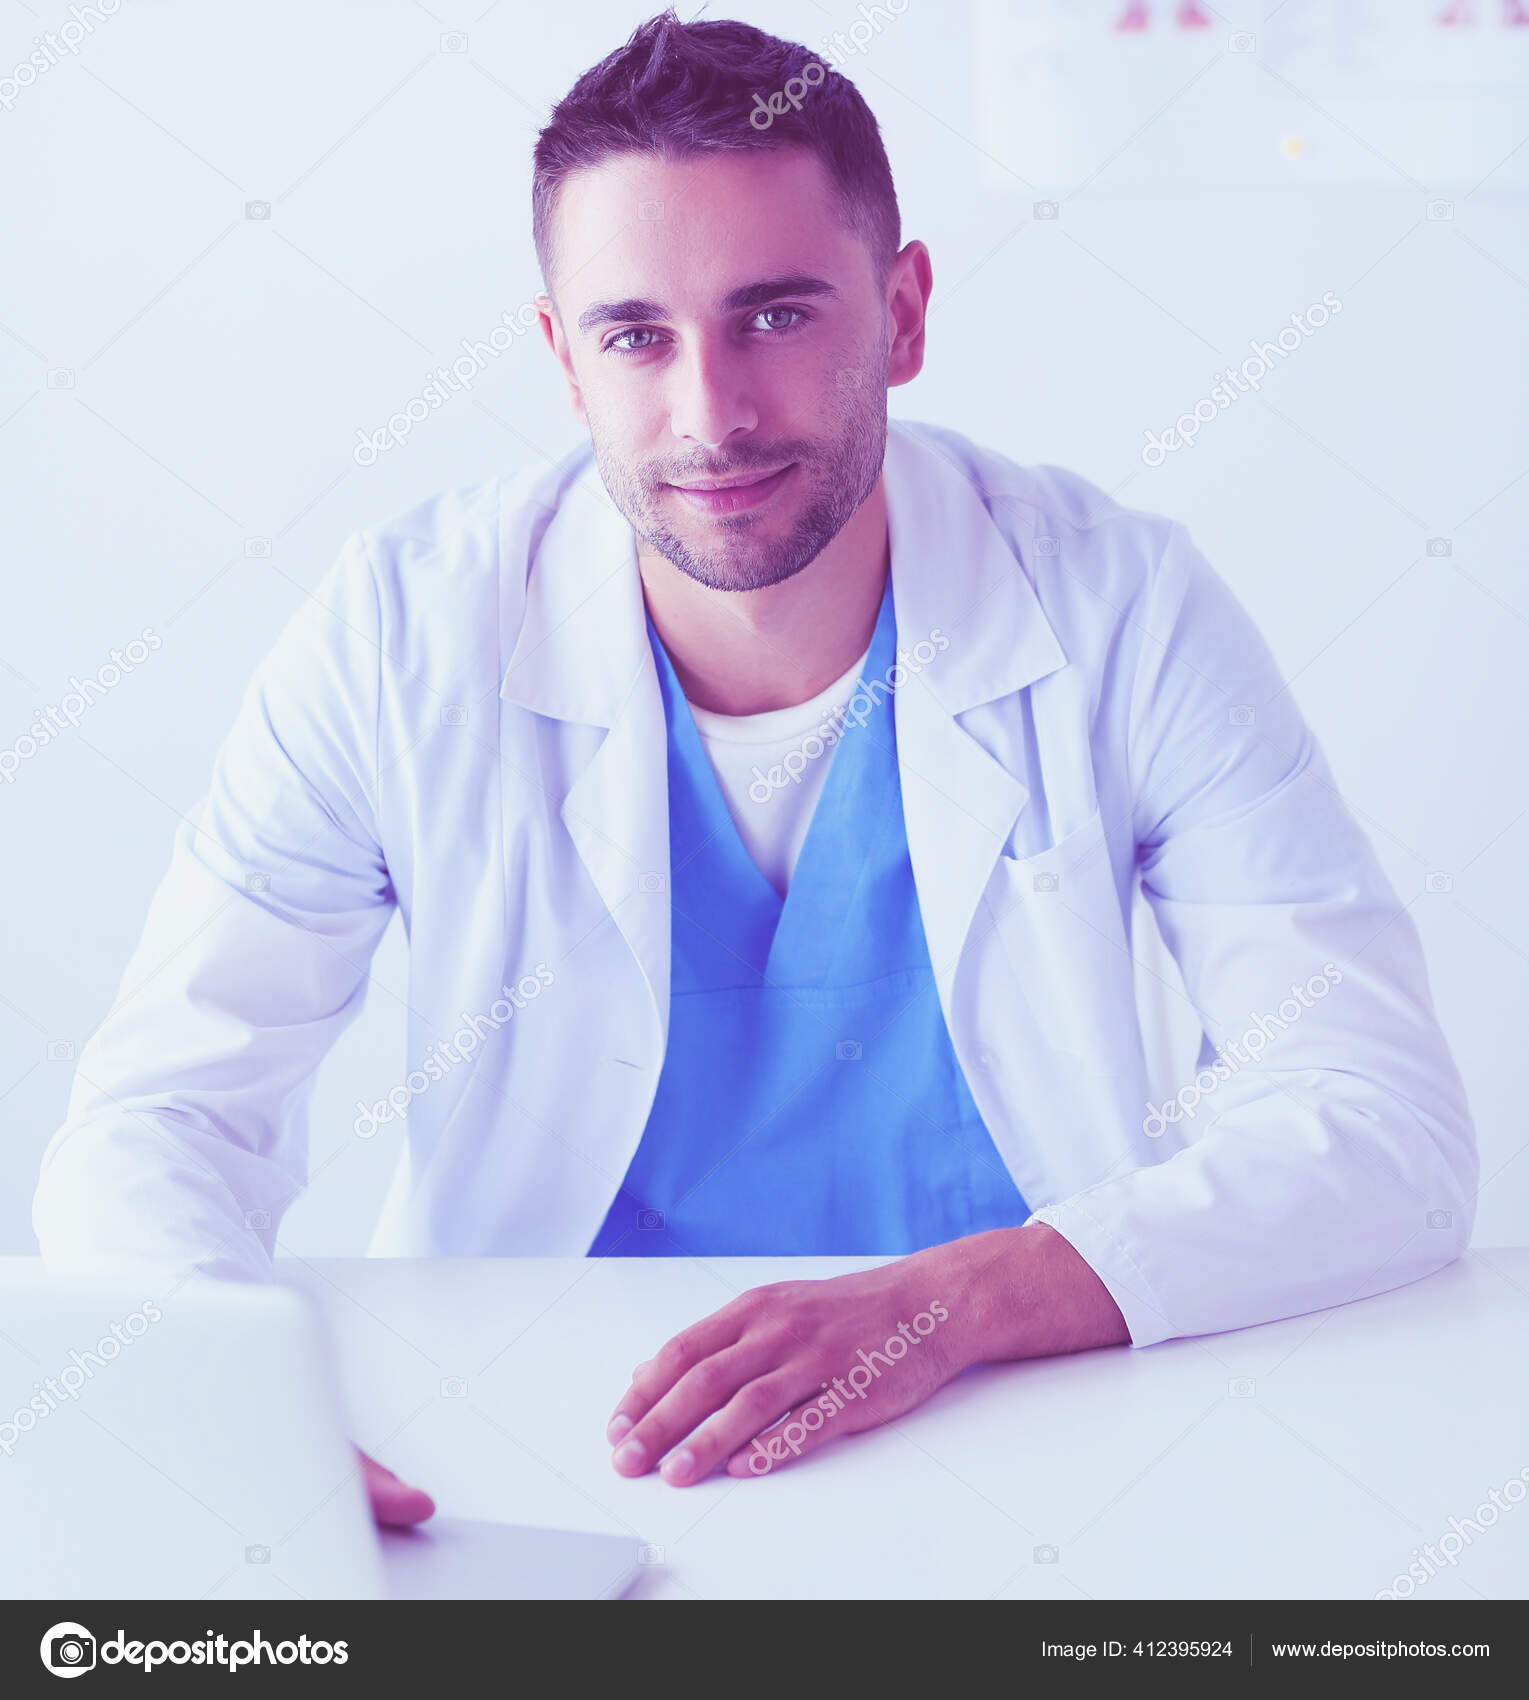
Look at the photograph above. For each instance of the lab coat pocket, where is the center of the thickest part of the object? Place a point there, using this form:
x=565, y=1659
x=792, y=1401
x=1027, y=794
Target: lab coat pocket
x=1059, y=916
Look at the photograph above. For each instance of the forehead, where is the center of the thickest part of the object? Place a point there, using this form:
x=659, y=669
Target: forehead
x=687, y=231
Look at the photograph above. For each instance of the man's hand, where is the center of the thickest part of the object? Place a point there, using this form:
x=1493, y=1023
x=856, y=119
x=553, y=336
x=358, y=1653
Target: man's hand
x=395, y=1505
x=783, y=1369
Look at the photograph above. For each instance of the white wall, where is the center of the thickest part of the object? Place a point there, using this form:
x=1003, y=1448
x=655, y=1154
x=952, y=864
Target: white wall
x=178, y=379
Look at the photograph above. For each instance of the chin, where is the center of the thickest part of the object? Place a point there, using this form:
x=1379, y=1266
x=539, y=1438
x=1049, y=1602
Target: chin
x=731, y=570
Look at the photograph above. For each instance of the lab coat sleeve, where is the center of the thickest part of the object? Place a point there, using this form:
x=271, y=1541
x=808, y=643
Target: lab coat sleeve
x=1331, y=1154
x=185, y=1137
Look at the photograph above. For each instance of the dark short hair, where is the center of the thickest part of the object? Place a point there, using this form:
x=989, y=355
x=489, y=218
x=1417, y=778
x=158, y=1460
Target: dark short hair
x=676, y=90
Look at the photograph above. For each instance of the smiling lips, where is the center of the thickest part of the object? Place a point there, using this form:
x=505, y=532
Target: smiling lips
x=732, y=495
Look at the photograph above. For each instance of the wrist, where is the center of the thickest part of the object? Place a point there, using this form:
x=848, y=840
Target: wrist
x=1020, y=1293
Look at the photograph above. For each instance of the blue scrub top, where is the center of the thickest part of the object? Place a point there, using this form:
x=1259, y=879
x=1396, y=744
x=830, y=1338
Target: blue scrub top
x=810, y=1102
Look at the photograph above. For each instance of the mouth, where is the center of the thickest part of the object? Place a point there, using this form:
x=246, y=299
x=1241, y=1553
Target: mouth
x=736, y=495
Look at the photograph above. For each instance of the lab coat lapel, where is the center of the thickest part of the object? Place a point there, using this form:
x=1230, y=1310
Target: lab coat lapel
x=956, y=578
x=582, y=657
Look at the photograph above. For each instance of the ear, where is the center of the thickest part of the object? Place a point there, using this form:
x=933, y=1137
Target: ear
x=557, y=341
x=909, y=285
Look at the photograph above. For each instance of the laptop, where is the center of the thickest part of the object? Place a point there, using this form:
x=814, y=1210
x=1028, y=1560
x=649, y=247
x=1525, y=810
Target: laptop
x=187, y=1443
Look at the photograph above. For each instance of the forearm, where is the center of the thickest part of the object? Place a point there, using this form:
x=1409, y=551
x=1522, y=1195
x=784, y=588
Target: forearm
x=1022, y=1293
x=145, y=1191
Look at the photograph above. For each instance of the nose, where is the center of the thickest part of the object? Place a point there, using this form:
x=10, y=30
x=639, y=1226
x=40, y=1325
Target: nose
x=710, y=402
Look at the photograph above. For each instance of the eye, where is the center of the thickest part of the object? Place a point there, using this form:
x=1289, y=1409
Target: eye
x=623, y=342
x=779, y=319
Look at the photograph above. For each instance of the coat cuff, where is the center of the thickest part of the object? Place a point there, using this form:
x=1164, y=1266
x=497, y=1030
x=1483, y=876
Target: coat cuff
x=1114, y=1266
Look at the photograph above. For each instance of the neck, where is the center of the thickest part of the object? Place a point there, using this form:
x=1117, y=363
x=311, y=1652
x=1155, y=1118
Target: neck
x=752, y=651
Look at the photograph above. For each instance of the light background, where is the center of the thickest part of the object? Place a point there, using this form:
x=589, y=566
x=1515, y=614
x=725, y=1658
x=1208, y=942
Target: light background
x=1112, y=219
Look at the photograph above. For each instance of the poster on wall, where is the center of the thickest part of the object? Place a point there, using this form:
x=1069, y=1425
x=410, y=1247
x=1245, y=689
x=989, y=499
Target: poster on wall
x=1427, y=96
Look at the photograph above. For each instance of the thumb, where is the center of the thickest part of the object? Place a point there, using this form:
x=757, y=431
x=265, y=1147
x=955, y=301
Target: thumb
x=394, y=1503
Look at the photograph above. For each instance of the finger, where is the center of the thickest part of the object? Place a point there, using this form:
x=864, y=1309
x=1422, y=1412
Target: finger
x=395, y=1504
x=818, y=1420
x=756, y=1405
x=673, y=1360
x=694, y=1397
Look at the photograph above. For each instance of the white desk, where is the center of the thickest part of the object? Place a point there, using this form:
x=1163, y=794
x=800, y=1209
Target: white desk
x=1307, y=1458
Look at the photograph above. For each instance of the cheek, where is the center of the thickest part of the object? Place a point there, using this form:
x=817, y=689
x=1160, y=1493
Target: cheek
x=839, y=386
x=631, y=406
x=614, y=420
x=816, y=383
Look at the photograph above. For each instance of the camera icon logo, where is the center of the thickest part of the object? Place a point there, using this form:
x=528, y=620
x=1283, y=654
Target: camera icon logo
x=257, y=209
x=453, y=714
x=1047, y=546
x=848, y=1050
x=651, y=882
x=649, y=1221
x=648, y=212
x=1241, y=714
x=61, y=378
x=257, y=548
x=1439, y=1218
x=454, y=1387
x=257, y=1554
x=1441, y=211
x=257, y=882
x=1440, y=547
x=1439, y=882
x=453, y=42
x=650, y=1555
x=1242, y=41
x=1241, y=1387
x=1046, y=1555
x=69, y=1649
x=257, y=1218
x=1046, y=882
x=60, y=1050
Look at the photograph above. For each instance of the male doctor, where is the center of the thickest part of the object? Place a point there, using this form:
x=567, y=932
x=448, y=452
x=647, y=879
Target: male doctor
x=763, y=791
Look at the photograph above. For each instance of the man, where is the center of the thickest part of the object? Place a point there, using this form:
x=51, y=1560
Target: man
x=763, y=793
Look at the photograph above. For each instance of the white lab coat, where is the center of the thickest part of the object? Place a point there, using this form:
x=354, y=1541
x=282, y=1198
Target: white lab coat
x=465, y=722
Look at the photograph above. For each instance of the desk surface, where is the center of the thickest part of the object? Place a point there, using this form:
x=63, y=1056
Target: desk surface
x=1309, y=1458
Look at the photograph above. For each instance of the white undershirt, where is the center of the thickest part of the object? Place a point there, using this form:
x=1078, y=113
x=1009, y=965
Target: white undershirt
x=773, y=809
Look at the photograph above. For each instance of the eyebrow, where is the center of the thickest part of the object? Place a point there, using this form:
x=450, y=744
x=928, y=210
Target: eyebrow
x=759, y=294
